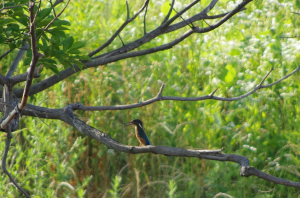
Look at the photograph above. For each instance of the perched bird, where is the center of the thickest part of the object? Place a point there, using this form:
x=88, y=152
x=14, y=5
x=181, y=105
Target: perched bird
x=139, y=132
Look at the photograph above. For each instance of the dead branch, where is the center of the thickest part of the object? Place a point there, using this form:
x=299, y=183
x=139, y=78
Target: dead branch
x=69, y=117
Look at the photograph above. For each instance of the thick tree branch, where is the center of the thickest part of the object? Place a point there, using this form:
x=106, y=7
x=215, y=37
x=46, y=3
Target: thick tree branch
x=66, y=114
x=22, y=77
x=7, y=108
x=35, y=57
x=245, y=170
x=123, y=52
x=2, y=80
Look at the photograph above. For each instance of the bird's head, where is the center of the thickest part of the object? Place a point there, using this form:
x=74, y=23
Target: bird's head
x=135, y=122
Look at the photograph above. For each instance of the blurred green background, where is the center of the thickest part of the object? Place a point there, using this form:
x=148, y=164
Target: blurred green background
x=51, y=159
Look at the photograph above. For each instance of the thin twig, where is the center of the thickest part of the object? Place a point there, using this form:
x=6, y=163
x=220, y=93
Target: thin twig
x=110, y=40
x=121, y=39
x=52, y=8
x=8, y=100
x=3, y=55
x=212, y=94
x=11, y=7
x=263, y=80
x=145, y=32
x=127, y=7
x=159, y=97
x=24, y=47
x=7, y=144
x=289, y=36
x=53, y=20
x=296, y=13
x=191, y=26
x=170, y=12
x=37, y=11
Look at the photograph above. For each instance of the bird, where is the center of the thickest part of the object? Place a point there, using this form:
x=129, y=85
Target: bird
x=139, y=132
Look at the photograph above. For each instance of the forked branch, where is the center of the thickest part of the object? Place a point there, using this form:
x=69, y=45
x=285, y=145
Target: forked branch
x=126, y=51
x=159, y=97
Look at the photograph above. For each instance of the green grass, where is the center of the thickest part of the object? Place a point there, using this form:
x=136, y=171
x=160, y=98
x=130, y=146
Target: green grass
x=49, y=158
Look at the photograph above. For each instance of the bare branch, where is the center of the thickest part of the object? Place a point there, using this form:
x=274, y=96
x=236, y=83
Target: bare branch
x=159, y=97
x=22, y=77
x=167, y=23
x=169, y=13
x=57, y=2
x=296, y=13
x=8, y=139
x=245, y=169
x=212, y=94
x=225, y=18
x=3, y=55
x=37, y=11
x=209, y=7
x=263, y=80
x=191, y=26
x=53, y=19
x=11, y=7
x=123, y=52
x=35, y=57
x=289, y=36
x=127, y=7
x=121, y=39
x=7, y=100
x=145, y=32
x=45, y=112
x=285, y=77
x=25, y=46
x=108, y=42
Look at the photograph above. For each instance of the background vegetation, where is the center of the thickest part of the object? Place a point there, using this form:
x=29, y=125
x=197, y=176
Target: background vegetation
x=56, y=160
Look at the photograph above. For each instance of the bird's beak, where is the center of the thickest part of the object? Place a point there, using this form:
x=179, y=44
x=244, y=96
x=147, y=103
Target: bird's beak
x=128, y=123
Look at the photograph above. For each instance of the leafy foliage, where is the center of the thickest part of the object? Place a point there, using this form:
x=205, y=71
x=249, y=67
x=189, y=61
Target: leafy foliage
x=56, y=44
x=234, y=58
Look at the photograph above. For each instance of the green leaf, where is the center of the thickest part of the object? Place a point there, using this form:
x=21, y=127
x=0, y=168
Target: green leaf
x=12, y=46
x=52, y=67
x=57, y=32
x=84, y=57
x=44, y=22
x=230, y=74
x=27, y=61
x=65, y=63
x=67, y=43
x=78, y=63
x=43, y=13
x=74, y=51
x=23, y=20
x=78, y=44
x=60, y=23
x=7, y=21
x=2, y=38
